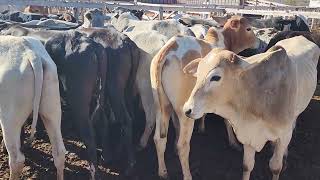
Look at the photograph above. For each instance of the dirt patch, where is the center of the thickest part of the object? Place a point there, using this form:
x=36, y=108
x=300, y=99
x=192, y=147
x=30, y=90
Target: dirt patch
x=210, y=158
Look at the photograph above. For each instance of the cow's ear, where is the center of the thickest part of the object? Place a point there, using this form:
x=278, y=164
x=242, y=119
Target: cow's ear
x=192, y=67
x=235, y=24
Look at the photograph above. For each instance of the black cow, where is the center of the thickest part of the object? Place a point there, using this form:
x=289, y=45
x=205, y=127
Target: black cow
x=295, y=24
x=123, y=56
x=81, y=65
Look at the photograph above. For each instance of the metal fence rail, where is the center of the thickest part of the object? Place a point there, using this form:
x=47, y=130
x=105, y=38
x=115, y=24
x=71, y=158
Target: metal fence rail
x=277, y=11
x=212, y=2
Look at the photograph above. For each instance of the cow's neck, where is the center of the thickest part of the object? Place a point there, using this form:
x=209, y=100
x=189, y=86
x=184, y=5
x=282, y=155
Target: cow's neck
x=231, y=41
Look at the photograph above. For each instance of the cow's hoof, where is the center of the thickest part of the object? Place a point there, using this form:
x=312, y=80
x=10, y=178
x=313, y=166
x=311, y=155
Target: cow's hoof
x=107, y=160
x=236, y=146
x=201, y=131
x=164, y=177
x=140, y=148
x=29, y=141
x=285, y=165
x=176, y=152
x=130, y=169
x=107, y=157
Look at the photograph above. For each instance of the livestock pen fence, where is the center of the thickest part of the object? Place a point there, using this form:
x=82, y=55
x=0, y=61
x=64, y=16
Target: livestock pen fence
x=194, y=2
x=198, y=6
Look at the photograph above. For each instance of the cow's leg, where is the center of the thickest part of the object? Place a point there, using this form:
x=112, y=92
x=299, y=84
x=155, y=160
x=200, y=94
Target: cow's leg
x=144, y=87
x=11, y=135
x=52, y=125
x=161, y=142
x=183, y=146
x=280, y=150
x=87, y=135
x=248, y=161
x=50, y=112
x=176, y=125
x=128, y=128
x=147, y=103
x=231, y=136
x=202, y=125
x=80, y=96
x=80, y=112
x=122, y=114
x=103, y=132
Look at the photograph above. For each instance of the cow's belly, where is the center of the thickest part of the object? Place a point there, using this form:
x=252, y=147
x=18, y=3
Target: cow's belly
x=306, y=84
x=257, y=133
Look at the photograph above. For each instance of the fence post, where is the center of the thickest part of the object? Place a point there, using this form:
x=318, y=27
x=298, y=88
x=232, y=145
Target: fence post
x=76, y=13
x=160, y=13
x=312, y=23
x=242, y=3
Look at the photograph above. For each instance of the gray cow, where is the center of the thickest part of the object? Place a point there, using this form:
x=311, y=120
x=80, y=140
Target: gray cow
x=28, y=83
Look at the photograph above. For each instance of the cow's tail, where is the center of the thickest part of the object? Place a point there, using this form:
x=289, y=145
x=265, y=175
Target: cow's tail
x=135, y=60
x=36, y=65
x=160, y=98
x=100, y=82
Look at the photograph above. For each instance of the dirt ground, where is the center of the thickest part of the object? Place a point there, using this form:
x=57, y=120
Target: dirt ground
x=211, y=157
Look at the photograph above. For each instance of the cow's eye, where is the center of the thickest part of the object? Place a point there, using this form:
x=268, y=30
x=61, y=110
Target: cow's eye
x=215, y=78
x=248, y=29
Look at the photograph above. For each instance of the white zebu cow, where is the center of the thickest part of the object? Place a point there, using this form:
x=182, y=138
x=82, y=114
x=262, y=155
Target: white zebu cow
x=28, y=82
x=127, y=22
x=261, y=96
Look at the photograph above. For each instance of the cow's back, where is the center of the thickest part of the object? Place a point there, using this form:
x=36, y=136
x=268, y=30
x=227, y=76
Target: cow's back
x=305, y=55
x=150, y=42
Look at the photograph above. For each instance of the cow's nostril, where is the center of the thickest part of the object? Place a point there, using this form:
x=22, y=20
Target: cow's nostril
x=188, y=112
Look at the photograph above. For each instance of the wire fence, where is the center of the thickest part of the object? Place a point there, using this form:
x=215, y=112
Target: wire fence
x=194, y=2
x=210, y=2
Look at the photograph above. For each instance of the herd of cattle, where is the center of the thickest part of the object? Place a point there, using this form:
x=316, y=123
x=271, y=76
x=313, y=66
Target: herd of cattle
x=258, y=74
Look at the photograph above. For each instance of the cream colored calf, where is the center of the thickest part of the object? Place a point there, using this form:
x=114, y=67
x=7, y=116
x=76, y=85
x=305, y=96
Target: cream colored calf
x=261, y=96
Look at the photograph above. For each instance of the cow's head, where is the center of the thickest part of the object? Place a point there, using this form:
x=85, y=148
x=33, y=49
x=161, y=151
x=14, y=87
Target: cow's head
x=238, y=34
x=222, y=77
x=94, y=18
